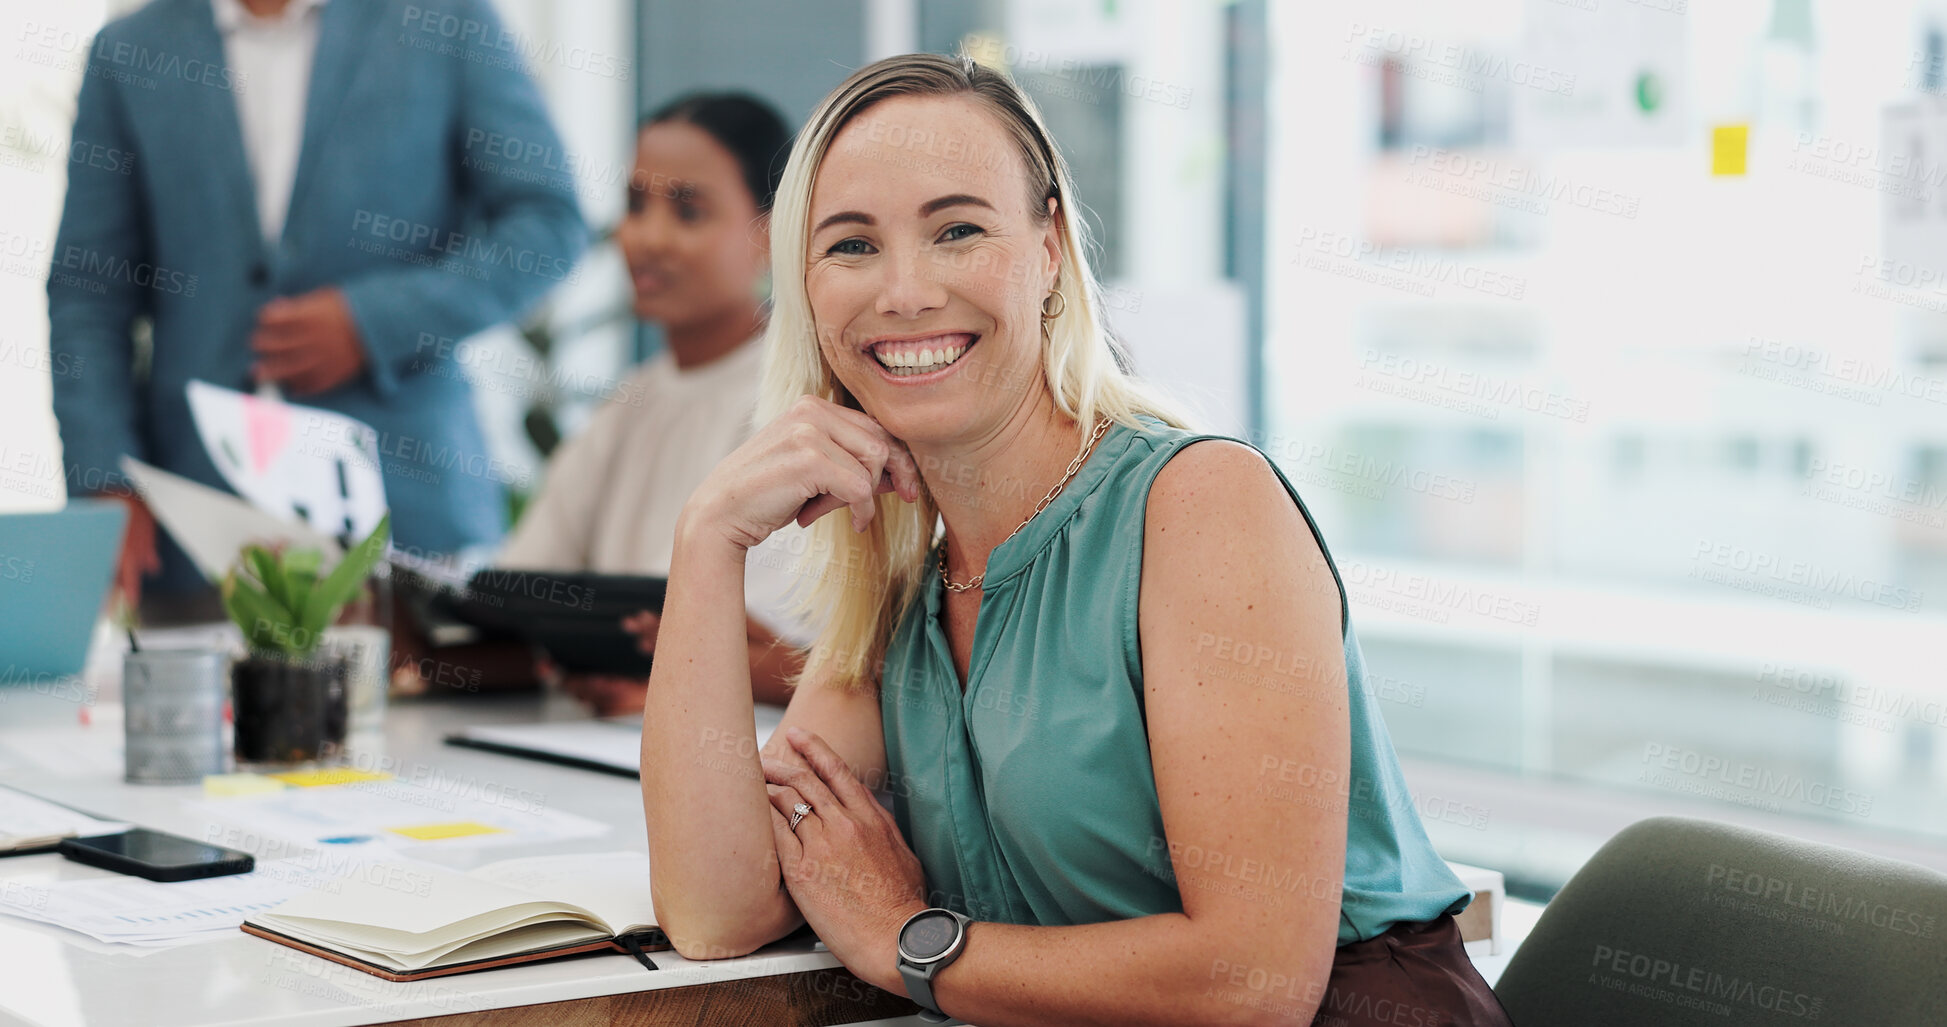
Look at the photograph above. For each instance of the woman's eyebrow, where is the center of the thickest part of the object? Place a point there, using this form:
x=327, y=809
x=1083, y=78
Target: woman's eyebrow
x=932, y=207
x=927, y=209
x=844, y=217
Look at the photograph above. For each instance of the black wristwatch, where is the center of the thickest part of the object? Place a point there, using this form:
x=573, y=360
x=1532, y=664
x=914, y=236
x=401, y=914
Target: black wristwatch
x=928, y=941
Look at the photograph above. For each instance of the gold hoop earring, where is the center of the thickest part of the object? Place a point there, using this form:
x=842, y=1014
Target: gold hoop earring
x=1061, y=305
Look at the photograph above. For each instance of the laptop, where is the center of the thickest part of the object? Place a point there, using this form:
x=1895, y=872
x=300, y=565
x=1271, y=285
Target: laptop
x=54, y=570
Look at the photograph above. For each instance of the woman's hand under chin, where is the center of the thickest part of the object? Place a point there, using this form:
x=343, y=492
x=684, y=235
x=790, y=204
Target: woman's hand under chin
x=813, y=459
x=847, y=867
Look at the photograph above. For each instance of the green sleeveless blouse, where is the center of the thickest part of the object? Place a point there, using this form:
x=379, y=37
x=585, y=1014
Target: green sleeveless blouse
x=1030, y=799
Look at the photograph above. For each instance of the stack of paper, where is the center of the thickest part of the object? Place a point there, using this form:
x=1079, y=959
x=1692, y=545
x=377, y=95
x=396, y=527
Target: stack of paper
x=134, y=911
x=339, y=806
x=27, y=822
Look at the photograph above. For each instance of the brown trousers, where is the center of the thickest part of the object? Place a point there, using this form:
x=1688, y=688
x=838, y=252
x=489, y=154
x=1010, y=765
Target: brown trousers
x=1414, y=975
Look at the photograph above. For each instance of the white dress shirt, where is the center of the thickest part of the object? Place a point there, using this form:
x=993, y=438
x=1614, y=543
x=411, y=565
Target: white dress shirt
x=270, y=59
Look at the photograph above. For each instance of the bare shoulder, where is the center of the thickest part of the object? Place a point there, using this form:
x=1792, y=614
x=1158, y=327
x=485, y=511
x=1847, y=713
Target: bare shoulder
x=1204, y=467
x=1218, y=485
x=1220, y=520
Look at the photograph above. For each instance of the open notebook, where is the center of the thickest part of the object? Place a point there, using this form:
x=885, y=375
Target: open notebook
x=411, y=922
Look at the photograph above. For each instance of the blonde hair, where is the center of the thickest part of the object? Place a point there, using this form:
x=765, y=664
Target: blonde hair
x=862, y=583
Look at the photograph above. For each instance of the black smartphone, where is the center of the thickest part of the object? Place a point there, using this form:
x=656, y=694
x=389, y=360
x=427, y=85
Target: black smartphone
x=156, y=856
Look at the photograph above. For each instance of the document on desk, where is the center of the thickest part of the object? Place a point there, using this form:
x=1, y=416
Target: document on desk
x=134, y=911
x=610, y=744
x=28, y=823
x=445, y=812
x=514, y=911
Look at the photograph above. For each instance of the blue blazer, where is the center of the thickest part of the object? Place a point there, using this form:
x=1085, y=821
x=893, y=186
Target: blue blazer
x=431, y=188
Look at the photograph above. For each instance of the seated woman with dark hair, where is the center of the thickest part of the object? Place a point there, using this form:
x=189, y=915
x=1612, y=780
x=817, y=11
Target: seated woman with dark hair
x=1032, y=579
x=696, y=244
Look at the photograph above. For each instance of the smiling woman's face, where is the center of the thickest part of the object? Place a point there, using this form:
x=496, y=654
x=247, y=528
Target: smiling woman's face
x=926, y=267
x=692, y=239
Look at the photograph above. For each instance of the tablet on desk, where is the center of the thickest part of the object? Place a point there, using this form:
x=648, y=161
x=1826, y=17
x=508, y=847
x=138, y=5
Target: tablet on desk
x=575, y=617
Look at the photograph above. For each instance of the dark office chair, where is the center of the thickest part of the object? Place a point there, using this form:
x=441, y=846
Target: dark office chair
x=1678, y=922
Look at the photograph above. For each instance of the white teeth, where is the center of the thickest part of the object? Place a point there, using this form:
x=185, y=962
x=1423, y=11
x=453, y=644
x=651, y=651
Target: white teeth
x=926, y=358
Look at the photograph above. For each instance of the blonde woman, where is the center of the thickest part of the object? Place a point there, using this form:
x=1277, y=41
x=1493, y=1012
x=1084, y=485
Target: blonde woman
x=1035, y=592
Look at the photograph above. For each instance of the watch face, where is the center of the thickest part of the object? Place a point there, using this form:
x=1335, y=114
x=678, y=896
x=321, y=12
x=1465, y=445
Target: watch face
x=928, y=936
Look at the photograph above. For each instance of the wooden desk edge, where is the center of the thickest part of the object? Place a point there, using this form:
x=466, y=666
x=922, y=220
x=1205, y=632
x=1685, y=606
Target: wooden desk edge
x=810, y=998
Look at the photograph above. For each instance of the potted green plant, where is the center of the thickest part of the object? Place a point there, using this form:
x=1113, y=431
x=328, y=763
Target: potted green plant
x=287, y=700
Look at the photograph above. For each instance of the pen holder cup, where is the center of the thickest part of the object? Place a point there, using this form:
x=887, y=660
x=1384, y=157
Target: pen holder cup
x=172, y=723
x=288, y=712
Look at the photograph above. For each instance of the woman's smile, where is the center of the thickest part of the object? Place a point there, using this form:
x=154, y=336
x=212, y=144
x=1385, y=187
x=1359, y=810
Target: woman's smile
x=927, y=358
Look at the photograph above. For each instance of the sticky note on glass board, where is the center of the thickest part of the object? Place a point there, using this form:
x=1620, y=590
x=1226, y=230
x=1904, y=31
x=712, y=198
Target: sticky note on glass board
x=1728, y=146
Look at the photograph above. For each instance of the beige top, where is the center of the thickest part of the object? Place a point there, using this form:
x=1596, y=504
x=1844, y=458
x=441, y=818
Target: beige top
x=612, y=494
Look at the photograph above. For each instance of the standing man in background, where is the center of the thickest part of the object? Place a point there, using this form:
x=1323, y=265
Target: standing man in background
x=311, y=204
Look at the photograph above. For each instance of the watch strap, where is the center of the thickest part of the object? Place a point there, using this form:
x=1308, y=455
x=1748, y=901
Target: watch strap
x=919, y=987
x=919, y=980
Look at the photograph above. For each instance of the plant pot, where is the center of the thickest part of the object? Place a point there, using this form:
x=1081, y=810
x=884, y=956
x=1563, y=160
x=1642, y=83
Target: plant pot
x=287, y=711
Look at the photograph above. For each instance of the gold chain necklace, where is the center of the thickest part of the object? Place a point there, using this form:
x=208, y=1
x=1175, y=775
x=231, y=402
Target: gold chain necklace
x=1073, y=467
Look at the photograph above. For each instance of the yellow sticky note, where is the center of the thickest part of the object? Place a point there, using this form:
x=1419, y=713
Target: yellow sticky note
x=1728, y=147
x=329, y=776
x=455, y=829
x=232, y=786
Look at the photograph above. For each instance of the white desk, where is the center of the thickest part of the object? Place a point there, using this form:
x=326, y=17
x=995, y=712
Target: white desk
x=56, y=978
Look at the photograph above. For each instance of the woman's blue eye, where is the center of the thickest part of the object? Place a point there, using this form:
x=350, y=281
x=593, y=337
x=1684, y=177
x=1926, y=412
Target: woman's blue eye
x=950, y=234
x=849, y=248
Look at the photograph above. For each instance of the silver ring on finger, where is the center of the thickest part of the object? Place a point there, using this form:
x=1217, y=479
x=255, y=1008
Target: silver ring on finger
x=798, y=812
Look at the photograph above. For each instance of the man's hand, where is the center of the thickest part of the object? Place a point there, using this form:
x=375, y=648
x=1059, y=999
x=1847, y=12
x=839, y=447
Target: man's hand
x=643, y=625
x=608, y=695
x=138, y=549
x=307, y=343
